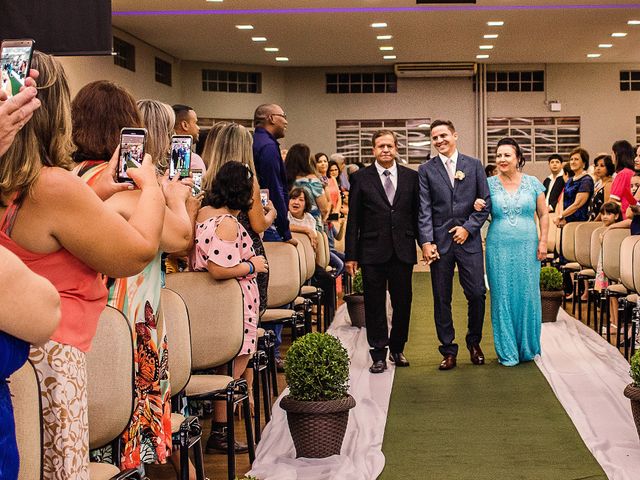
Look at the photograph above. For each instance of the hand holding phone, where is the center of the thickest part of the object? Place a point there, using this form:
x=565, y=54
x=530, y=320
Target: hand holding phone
x=15, y=65
x=196, y=174
x=264, y=196
x=132, y=142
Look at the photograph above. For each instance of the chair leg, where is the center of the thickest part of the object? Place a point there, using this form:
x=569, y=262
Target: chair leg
x=273, y=368
x=248, y=428
x=198, y=460
x=256, y=396
x=184, y=457
x=575, y=293
x=266, y=391
x=231, y=438
x=589, y=299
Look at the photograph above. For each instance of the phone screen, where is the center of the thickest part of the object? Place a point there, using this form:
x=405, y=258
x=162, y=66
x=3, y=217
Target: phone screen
x=131, y=151
x=197, y=182
x=15, y=63
x=264, y=196
x=180, y=161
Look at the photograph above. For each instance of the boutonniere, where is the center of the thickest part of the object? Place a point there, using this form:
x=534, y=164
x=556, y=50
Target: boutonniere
x=459, y=175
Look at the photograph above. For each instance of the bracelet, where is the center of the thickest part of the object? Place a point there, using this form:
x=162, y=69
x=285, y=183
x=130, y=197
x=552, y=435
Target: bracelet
x=252, y=267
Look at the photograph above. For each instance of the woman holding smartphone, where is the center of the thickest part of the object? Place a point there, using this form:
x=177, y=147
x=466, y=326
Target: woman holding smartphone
x=50, y=220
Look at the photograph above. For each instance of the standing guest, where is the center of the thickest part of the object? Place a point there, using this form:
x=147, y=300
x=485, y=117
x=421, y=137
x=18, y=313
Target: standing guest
x=344, y=174
x=322, y=167
x=334, y=187
x=577, y=191
x=491, y=170
x=623, y=157
x=381, y=240
x=603, y=169
x=514, y=253
x=449, y=234
x=554, y=183
x=636, y=161
x=61, y=230
x=187, y=124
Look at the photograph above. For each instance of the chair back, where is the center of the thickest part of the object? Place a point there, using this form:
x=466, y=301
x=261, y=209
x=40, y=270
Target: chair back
x=110, y=378
x=596, y=245
x=176, y=322
x=25, y=397
x=326, y=258
x=569, y=241
x=302, y=262
x=583, y=243
x=552, y=233
x=627, y=249
x=636, y=267
x=611, y=244
x=310, y=254
x=283, y=266
x=216, y=316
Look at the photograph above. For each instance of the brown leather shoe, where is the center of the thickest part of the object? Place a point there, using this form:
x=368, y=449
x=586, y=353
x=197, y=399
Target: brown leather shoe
x=448, y=362
x=477, y=357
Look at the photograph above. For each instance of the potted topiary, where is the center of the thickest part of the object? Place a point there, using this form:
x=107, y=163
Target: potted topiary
x=317, y=371
x=550, y=293
x=355, y=301
x=632, y=391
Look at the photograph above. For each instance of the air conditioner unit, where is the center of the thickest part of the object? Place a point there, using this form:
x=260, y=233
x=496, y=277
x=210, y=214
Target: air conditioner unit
x=435, y=70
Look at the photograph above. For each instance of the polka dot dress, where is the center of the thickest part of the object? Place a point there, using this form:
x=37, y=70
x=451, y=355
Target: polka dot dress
x=210, y=248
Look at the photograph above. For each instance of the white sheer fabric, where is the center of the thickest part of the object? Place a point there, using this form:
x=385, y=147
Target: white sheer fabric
x=588, y=377
x=361, y=457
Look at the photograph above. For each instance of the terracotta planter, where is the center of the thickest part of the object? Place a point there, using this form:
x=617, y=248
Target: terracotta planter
x=633, y=394
x=551, y=302
x=355, y=307
x=317, y=428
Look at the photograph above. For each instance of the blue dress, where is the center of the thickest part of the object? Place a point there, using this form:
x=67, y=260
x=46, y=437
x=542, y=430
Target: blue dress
x=13, y=354
x=513, y=271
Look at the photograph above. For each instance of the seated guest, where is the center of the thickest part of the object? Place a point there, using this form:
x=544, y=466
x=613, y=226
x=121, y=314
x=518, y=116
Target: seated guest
x=577, y=191
x=300, y=220
x=603, y=169
x=623, y=157
x=491, y=170
x=554, y=183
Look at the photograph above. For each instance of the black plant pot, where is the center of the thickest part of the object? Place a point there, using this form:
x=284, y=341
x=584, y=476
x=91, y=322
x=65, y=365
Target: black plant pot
x=355, y=307
x=551, y=302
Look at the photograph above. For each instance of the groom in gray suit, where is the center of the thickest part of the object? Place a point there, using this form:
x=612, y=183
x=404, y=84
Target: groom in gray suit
x=449, y=233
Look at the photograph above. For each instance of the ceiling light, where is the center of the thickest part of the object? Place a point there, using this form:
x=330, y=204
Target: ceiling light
x=482, y=56
x=619, y=34
x=593, y=55
x=486, y=47
x=495, y=23
x=384, y=37
x=379, y=25
x=244, y=27
x=282, y=59
x=216, y=1
x=605, y=45
x=633, y=22
x=389, y=57
x=259, y=39
x=386, y=49
x=491, y=35
x=271, y=49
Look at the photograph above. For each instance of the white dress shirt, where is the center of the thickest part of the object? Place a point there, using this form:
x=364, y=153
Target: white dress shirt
x=393, y=170
x=454, y=160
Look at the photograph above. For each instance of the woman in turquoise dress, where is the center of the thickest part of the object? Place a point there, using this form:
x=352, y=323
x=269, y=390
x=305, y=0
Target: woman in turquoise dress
x=513, y=254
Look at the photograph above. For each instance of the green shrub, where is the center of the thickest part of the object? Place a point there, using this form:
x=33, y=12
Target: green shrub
x=635, y=369
x=356, y=284
x=317, y=368
x=550, y=279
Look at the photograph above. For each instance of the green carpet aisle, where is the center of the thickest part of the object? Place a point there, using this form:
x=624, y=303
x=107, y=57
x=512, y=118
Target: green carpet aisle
x=475, y=422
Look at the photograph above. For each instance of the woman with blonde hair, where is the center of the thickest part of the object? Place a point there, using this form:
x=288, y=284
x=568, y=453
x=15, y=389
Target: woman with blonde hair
x=207, y=150
x=159, y=122
x=62, y=231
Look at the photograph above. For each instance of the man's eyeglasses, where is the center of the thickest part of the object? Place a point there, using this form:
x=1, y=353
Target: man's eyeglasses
x=283, y=115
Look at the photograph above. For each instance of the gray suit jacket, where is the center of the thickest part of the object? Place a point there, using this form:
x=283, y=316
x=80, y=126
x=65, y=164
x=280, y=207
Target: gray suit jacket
x=443, y=207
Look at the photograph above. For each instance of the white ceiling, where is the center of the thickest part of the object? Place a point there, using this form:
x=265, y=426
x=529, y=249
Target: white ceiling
x=540, y=31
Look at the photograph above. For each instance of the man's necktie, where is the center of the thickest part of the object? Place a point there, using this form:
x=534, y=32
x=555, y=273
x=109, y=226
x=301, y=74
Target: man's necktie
x=450, y=170
x=389, y=189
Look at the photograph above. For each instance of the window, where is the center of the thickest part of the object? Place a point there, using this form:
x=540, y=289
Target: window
x=362, y=82
x=163, y=71
x=125, y=54
x=630, y=81
x=531, y=81
x=538, y=137
x=234, y=82
x=637, y=131
x=353, y=138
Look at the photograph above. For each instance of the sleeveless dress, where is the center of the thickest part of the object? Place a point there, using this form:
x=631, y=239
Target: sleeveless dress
x=261, y=278
x=13, y=354
x=147, y=438
x=513, y=271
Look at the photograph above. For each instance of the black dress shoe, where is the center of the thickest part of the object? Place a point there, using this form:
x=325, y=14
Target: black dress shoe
x=477, y=357
x=378, y=366
x=399, y=359
x=217, y=443
x=448, y=362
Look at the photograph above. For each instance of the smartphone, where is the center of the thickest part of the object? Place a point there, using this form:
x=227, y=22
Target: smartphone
x=196, y=174
x=264, y=196
x=15, y=63
x=132, y=141
x=333, y=217
x=180, y=160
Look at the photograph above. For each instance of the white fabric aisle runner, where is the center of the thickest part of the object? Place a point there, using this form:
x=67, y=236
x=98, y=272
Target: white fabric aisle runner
x=588, y=376
x=361, y=457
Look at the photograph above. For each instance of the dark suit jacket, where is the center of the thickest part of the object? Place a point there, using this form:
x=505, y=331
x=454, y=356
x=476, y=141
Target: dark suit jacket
x=556, y=190
x=375, y=228
x=443, y=207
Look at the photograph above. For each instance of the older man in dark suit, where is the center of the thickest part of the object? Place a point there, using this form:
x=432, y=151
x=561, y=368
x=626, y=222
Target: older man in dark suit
x=381, y=239
x=449, y=233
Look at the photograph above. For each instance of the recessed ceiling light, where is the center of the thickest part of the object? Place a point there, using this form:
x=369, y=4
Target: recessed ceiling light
x=384, y=37
x=259, y=39
x=216, y=1
x=605, y=45
x=633, y=22
x=495, y=23
x=486, y=47
x=593, y=55
x=271, y=49
x=386, y=49
x=482, y=56
x=389, y=57
x=491, y=35
x=619, y=34
x=379, y=25
x=244, y=27
x=282, y=59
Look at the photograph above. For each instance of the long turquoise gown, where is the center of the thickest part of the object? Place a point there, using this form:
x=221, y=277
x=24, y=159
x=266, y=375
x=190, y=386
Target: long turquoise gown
x=513, y=271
